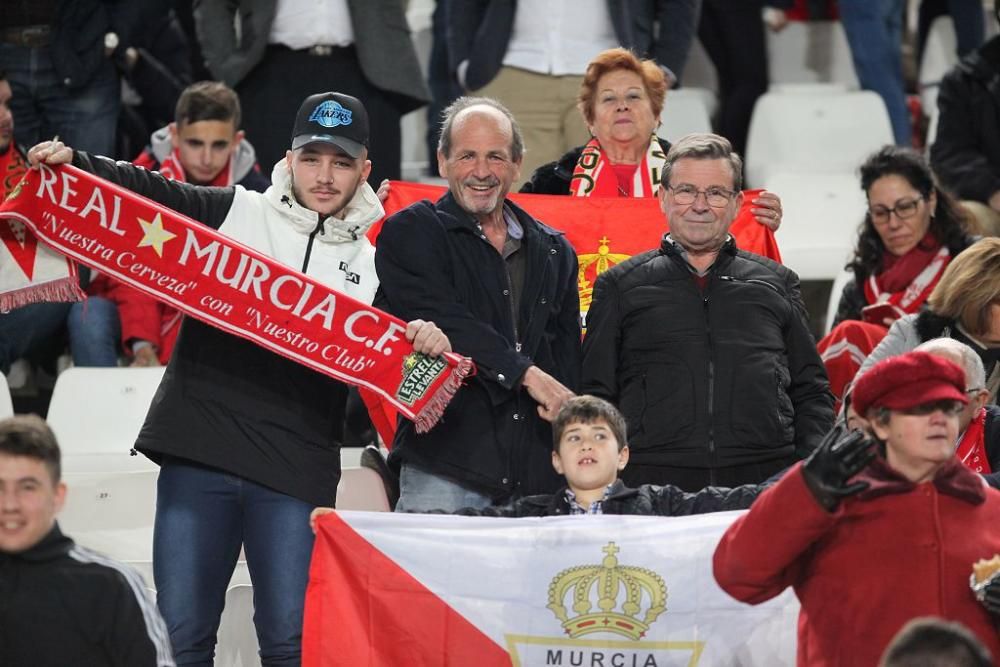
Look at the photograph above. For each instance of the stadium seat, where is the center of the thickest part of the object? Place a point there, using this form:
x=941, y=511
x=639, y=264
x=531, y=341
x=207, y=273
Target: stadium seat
x=939, y=56
x=6, y=404
x=683, y=113
x=112, y=512
x=810, y=52
x=361, y=489
x=237, y=640
x=821, y=217
x=96, y=414
x=839, y=282
x=817, y=134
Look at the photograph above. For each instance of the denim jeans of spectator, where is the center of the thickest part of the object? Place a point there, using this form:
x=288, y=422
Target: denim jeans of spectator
x=84, y=118
x=421, y=491
x=203, y=516
x=95, y=332
x=22, y=329
x=874, y=31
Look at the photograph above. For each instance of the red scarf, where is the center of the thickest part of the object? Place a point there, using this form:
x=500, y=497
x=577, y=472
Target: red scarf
x=29, y=273
x=216, y=279
x=907, y=281
x=594, y=175
x=172, y=169
x=971, y=448
x=13, y=166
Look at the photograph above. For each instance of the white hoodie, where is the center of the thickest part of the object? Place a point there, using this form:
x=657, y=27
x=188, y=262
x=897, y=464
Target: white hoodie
x=275, y=224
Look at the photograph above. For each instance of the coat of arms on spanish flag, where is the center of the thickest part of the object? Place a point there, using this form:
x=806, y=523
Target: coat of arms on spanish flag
x=610, y=591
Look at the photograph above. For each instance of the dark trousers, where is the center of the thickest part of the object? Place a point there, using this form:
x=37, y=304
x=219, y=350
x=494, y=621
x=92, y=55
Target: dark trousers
x=695, y=479
x=271, y=94
x=733, y=35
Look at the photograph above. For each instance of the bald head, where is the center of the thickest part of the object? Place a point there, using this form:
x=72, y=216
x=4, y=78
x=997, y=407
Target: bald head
x=465, y=107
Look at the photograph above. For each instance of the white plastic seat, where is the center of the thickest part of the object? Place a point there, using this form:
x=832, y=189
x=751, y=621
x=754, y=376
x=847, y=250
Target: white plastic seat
x=839, y=283
x=940, y=55
x=820, y=134
x=96, y=414
x=361, y=489
x=6, y=404
x=111, y=512
x=684, y=112
x=811, y=52
x=237, y=640
x=821, y=217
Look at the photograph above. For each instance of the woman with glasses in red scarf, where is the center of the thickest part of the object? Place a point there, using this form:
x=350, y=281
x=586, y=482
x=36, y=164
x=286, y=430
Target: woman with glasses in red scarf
x=911, y=231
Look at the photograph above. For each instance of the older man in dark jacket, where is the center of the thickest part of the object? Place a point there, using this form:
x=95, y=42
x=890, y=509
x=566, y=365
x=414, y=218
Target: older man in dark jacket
x=703, y=346
x=503, y=287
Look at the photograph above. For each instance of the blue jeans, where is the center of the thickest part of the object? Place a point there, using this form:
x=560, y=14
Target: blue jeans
x=874, y=31
x=421, y=491
x=202, y=517
x=22, y=329
x=95, y=332
x=84, y=118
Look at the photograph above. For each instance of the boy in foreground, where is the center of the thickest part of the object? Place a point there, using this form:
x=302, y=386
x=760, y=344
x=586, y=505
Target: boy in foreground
x=589, y=450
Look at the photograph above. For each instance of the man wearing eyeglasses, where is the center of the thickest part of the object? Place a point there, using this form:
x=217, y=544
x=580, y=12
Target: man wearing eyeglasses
x=705, y=347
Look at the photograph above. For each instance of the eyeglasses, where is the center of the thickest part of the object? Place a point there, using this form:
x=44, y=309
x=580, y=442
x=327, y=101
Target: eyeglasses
x=685, y=194
x=904, y=208
x=924, y=409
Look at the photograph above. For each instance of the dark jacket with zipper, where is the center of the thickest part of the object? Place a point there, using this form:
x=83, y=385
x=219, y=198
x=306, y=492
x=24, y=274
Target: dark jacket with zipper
x=225, y=402
x=434, y=264
x=62, y=604
x=724, y=376
x=966, y=151
x=647, y=500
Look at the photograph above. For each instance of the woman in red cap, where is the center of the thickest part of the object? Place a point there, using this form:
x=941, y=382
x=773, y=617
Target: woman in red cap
x=871, y=535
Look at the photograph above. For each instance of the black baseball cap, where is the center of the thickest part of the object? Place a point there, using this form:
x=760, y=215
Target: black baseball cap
x=332, y=118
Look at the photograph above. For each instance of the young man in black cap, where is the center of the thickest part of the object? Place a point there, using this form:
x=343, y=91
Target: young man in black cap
x=247, y=440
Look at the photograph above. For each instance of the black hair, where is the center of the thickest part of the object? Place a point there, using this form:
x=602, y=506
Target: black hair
x=587, y=410
x=208, y=100
x=31, y=437
x=927, y=642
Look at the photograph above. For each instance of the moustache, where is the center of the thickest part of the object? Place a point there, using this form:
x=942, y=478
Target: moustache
x=489, y=182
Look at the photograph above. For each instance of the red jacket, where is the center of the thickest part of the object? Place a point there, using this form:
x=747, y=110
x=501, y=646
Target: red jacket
x=142, y=317
x=893, y=553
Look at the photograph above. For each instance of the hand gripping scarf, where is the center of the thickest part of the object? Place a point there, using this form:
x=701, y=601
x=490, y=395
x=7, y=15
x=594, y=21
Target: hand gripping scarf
x=220, y=281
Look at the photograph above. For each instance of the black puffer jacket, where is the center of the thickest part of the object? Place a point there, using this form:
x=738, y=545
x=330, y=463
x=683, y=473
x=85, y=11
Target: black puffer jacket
x=966, y=152
x=725, y=377
x=647, y=500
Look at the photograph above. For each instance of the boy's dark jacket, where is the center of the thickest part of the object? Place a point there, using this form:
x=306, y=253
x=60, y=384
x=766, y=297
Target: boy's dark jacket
x=646, y=500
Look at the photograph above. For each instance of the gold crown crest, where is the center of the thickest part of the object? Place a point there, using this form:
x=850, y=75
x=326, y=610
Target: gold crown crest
x=608, y=581
x=593, y=265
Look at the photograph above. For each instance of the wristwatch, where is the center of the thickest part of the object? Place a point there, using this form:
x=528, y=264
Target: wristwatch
x=111, y=41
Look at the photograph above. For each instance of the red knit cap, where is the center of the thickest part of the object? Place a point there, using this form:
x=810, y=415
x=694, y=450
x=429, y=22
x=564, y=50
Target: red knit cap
x=909, y=380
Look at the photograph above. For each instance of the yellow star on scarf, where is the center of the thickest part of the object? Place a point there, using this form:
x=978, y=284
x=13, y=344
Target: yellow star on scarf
x=154, y=235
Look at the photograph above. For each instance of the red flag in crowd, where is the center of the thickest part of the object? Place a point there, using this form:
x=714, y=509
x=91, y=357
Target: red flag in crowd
x=603, y=231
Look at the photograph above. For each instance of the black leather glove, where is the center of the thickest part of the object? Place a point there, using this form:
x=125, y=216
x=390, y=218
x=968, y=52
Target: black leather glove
x=840, y=456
